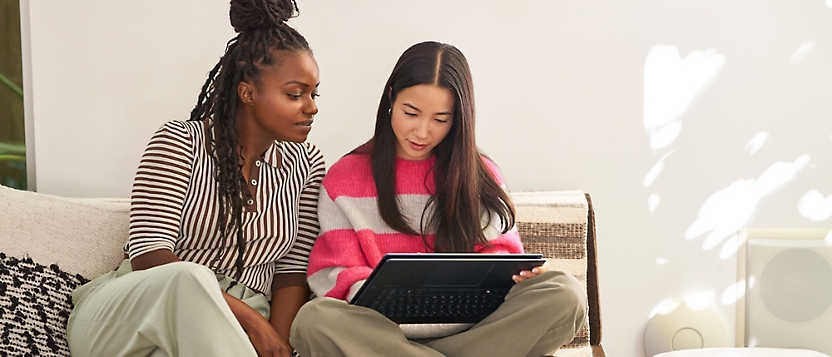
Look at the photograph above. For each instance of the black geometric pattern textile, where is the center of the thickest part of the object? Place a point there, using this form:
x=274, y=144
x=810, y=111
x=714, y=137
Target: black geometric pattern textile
x=35, y=301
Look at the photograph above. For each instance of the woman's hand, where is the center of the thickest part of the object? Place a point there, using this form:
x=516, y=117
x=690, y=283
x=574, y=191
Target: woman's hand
x=266, y=341
x=526, y=274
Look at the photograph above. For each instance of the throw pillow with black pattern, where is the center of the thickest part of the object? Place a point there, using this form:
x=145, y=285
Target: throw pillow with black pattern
x=35, y=301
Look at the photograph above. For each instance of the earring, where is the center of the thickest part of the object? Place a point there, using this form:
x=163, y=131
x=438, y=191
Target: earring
x=390, y=111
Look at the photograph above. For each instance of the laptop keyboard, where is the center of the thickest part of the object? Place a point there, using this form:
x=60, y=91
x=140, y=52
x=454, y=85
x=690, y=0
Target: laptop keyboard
x=438, y=305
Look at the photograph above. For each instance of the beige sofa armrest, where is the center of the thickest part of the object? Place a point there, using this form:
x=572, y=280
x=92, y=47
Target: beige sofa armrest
x=561, y=226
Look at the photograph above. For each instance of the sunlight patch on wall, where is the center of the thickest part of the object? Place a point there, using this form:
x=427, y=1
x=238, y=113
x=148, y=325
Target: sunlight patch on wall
x=662, y=261
x=653, y=202
x=696, y=302
x=732, y=245
x=829, y=3
x=756, y=142
x=733, y=293
x=802, y=52
x=663, y=136
x=700, y=300
x=670, y=85
x=729, y=209
x=724, y=212
x=664, y=307
x=828, y=238
x=814, y=206
x=655, y=171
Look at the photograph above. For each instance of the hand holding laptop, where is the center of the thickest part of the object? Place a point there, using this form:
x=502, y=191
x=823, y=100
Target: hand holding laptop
x=528, y=274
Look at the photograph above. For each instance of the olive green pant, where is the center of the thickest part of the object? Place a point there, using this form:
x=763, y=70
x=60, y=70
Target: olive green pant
x=172, y=310
x=538, y=316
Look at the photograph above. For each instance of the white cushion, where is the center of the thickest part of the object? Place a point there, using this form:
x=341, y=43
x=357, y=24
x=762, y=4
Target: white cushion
x=81, y=235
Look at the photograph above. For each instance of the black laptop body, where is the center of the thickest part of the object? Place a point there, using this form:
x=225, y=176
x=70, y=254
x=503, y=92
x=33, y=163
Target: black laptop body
x=441, y=287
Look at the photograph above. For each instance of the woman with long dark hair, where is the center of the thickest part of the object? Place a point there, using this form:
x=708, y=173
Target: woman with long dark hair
x=421, y=185
x=222, y=213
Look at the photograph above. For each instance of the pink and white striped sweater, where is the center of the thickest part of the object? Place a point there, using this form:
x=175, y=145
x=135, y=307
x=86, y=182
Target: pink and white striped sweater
x=354, y=237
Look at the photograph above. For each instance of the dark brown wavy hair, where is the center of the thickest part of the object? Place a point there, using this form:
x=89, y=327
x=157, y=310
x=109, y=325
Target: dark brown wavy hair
x=262, y=36
x=465, y=187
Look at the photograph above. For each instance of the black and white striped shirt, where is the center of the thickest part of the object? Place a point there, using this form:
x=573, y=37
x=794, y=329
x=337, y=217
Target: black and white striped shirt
x=175, y=206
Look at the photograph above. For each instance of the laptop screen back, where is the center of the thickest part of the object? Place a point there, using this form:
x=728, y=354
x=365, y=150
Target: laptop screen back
x=413, y=288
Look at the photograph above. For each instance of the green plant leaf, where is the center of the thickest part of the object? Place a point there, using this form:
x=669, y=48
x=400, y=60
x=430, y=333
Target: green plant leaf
x=20, y=158
x=12, y=149
x=11, y=85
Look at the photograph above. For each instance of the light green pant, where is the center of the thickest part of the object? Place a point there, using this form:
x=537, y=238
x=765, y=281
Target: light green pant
x=175, y=309
x=539, y=315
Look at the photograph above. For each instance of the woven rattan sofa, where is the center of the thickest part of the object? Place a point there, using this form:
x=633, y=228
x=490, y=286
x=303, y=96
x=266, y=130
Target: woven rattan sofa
x=51, y=244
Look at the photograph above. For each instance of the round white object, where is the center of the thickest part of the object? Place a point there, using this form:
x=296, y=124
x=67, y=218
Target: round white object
x=686, y=339
x=743, y=352
x=685, y=329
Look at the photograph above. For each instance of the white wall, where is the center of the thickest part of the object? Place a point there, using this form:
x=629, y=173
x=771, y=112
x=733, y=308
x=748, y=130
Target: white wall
x=563, y=103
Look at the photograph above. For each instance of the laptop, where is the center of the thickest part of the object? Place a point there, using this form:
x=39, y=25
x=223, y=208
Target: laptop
x=441, y=287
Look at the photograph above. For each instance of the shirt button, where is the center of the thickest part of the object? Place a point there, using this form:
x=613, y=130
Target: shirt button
x=257, y=163
x=249, y=202
x=254, y=182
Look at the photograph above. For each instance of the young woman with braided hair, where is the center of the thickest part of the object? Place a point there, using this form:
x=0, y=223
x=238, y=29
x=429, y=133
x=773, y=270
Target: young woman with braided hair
x=223, y=211
x=421, y=185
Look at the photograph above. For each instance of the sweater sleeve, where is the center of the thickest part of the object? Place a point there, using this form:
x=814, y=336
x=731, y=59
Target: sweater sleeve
x=159, y=190
x=337, y=265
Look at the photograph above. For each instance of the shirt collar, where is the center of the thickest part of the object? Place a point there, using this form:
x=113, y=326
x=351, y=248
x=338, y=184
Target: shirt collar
x=273, y=155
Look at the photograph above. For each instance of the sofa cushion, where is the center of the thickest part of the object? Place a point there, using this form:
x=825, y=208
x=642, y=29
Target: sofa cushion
x=82, y=235
x=35, y=301
x=49, y=245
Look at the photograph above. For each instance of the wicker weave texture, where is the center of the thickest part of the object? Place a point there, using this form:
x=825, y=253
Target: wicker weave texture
x=555, y=224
